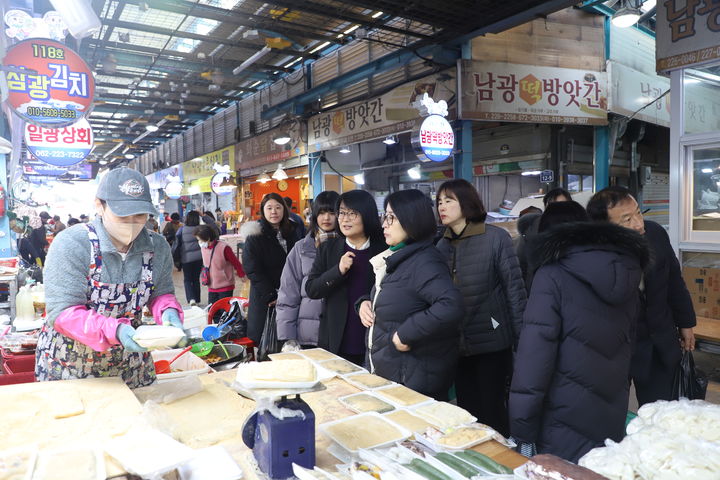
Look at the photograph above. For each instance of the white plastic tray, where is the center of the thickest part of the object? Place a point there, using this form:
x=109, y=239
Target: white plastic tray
x=99, y=462
x=12, y=454
x=440, y=422
x=243, y=381
x=349, y=379
x=440, y=447
x=347, y=404
x=404, y=433
x=158, y=336
x=324, y=364
x=189, y=364
x=392, y=401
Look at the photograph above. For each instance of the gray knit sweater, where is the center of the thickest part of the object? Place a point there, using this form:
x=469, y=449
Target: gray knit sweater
x=68, y=265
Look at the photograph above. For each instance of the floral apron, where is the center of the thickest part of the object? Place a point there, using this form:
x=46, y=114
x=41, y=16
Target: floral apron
x=61, y=358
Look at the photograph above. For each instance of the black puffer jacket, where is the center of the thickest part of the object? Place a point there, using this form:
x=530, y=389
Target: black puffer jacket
x=263, y=260
x=416, y=299
x=668, y=306
x=570, y=384
x=485, y=268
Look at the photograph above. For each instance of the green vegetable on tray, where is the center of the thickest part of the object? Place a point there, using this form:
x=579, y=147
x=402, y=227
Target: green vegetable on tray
x=482, y=461
x=463, y=468
x=426, y=470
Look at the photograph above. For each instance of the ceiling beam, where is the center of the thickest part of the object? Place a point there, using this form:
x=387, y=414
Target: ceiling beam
x=139, y=27
x=193, y=93
x=119, y=49
x=240, y=19
x=140, y=111
x=149, y=101
x=324, y=10
x=180, y=80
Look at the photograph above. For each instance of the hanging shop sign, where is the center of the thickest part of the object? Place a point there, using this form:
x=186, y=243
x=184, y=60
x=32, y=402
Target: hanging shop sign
x=173, y=187
x=48, y=83
x=632, y=90
x=262, y=150
x=61, y=147
x=531, y=94
x=222, y=183
x=687, y=33
x=393, y=112
x=433, y=138
x=34, y=168
x=198, y=171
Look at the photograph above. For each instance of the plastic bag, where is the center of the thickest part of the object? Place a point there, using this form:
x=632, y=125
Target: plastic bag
x=269, y=342
x=690, y=382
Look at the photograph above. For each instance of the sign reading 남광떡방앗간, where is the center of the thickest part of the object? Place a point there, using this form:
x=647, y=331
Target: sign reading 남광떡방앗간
x=48, y=83
x=531, y=94
x=687, y=33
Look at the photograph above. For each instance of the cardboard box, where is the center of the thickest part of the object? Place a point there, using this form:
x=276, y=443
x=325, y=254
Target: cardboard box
x=702, y=280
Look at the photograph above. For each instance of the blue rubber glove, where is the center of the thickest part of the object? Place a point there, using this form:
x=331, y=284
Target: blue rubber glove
x=125, y=335
x=172, y=317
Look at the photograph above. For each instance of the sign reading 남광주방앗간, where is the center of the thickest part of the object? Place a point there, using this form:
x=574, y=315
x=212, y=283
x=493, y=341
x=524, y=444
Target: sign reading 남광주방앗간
x=390, y=113
x=531, y=94
x=687, y=33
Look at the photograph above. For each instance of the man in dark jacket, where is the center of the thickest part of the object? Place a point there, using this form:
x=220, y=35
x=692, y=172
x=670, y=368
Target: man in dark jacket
x=668, y=314
x=295, y=218
x=38, y=237
x=569, y=390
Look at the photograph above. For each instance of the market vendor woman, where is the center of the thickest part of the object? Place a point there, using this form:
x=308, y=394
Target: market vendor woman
x=98, y=278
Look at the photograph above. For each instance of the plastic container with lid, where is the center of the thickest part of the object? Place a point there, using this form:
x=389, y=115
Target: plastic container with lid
x=24, y=310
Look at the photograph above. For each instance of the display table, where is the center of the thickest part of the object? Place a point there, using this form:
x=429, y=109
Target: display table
x=214, y=416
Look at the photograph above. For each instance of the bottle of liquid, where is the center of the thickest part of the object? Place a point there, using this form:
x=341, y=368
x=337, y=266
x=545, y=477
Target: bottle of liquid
x=38, y=299
x=24, y=310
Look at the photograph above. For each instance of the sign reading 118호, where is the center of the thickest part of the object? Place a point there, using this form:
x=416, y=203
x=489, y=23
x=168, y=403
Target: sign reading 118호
x=48, y=83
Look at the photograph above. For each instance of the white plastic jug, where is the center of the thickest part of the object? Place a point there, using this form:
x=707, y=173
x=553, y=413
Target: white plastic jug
x=24, y=310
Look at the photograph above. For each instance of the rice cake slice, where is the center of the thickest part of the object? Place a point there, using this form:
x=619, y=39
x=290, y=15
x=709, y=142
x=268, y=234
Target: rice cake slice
x=285, y=356
x=363, y=402
x=402, y=395
x=318, y=354
x=80, y=464
x=444, y=415
x=367, y=380
x=406, y=419
x=66, y=402
x=284, y=371
x=340, y=366
x=363, y=431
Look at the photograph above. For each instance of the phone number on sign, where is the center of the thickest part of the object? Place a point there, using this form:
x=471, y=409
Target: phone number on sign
x=59, y=154
x=51, y=112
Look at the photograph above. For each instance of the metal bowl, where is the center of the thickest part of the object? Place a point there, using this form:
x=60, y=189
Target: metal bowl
x=237, y=355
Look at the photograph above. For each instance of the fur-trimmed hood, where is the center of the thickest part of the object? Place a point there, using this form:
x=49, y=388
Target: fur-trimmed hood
x=608, y=257
x=249, y=229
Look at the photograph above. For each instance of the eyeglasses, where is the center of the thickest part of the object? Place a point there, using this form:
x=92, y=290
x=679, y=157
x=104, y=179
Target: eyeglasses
x=351, y=215
x=388, y=218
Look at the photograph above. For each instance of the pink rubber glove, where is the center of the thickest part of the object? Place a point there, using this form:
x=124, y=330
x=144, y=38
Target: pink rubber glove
x=89, y=327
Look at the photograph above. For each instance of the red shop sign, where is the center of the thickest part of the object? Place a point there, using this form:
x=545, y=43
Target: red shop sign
x=58, y=88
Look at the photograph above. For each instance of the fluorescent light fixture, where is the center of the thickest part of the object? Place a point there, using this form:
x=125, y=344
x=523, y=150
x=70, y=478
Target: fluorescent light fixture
x=263, y=178
x=254, y=58
x=280, y=174
x=329, y=105
x=151, y=128
x=129, y=156
x=390, y=140
x=359, y=178
x=103, y=162
x=626, y=17
x=414, y=172
x=707, y=170
x=345, y=149
x=351, y=29
x=256, y=84
x=288, y=65
x=377, y=14
x=530, y=173
x=281, y=139
x=320, y=47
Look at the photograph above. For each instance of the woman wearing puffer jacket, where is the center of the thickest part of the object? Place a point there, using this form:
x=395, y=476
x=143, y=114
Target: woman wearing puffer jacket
x=570, y=384
x=298, y=316
x=415, y=310
x=486, y=270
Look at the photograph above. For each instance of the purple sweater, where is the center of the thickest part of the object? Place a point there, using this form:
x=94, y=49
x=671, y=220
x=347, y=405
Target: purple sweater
x=353, y=341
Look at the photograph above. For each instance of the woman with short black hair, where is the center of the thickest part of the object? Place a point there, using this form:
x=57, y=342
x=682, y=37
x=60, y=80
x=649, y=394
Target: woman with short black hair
x=267, y=243
x=485, y=268
x=415, y=309
x=341, y=274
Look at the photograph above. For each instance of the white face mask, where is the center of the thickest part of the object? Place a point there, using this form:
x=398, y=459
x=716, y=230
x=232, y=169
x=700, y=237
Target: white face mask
x=203, y=244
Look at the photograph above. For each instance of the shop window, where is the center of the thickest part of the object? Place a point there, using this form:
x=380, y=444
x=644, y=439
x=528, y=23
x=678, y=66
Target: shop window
x=587, y=182
x=705, y=164
x=702, y=99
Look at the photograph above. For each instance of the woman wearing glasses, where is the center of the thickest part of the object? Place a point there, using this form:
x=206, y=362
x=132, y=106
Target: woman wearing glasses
x=414, y=310
x=485, y=268
x=341, y=274
x=298, y=317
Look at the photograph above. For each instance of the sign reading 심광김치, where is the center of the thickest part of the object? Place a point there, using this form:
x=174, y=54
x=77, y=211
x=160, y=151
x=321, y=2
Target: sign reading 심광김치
x=48, y=83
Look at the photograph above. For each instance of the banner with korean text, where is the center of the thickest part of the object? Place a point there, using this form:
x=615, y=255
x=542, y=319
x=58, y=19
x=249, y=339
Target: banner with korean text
x=687, y=33
x=388, y=114
x=508, y=92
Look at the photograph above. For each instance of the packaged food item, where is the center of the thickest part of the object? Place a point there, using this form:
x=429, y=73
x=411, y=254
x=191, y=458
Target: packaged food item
x=444, y=415
x=425, y=470
x=366, y=430
x=285, y=356
x=71, y=464
x=403, y=396
x=158, y=336
x=484, y=462
x=284, y=371
x=464, y=437
x=363, y=402
x=406, y=419
x=17, y=463
x=463, y=468
x=366, y=381
x=340, y=366
x=550, y=467
x=317, y=354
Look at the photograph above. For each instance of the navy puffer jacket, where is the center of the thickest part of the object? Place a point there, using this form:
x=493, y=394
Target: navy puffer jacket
x=570, y=384
x=417, y=300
